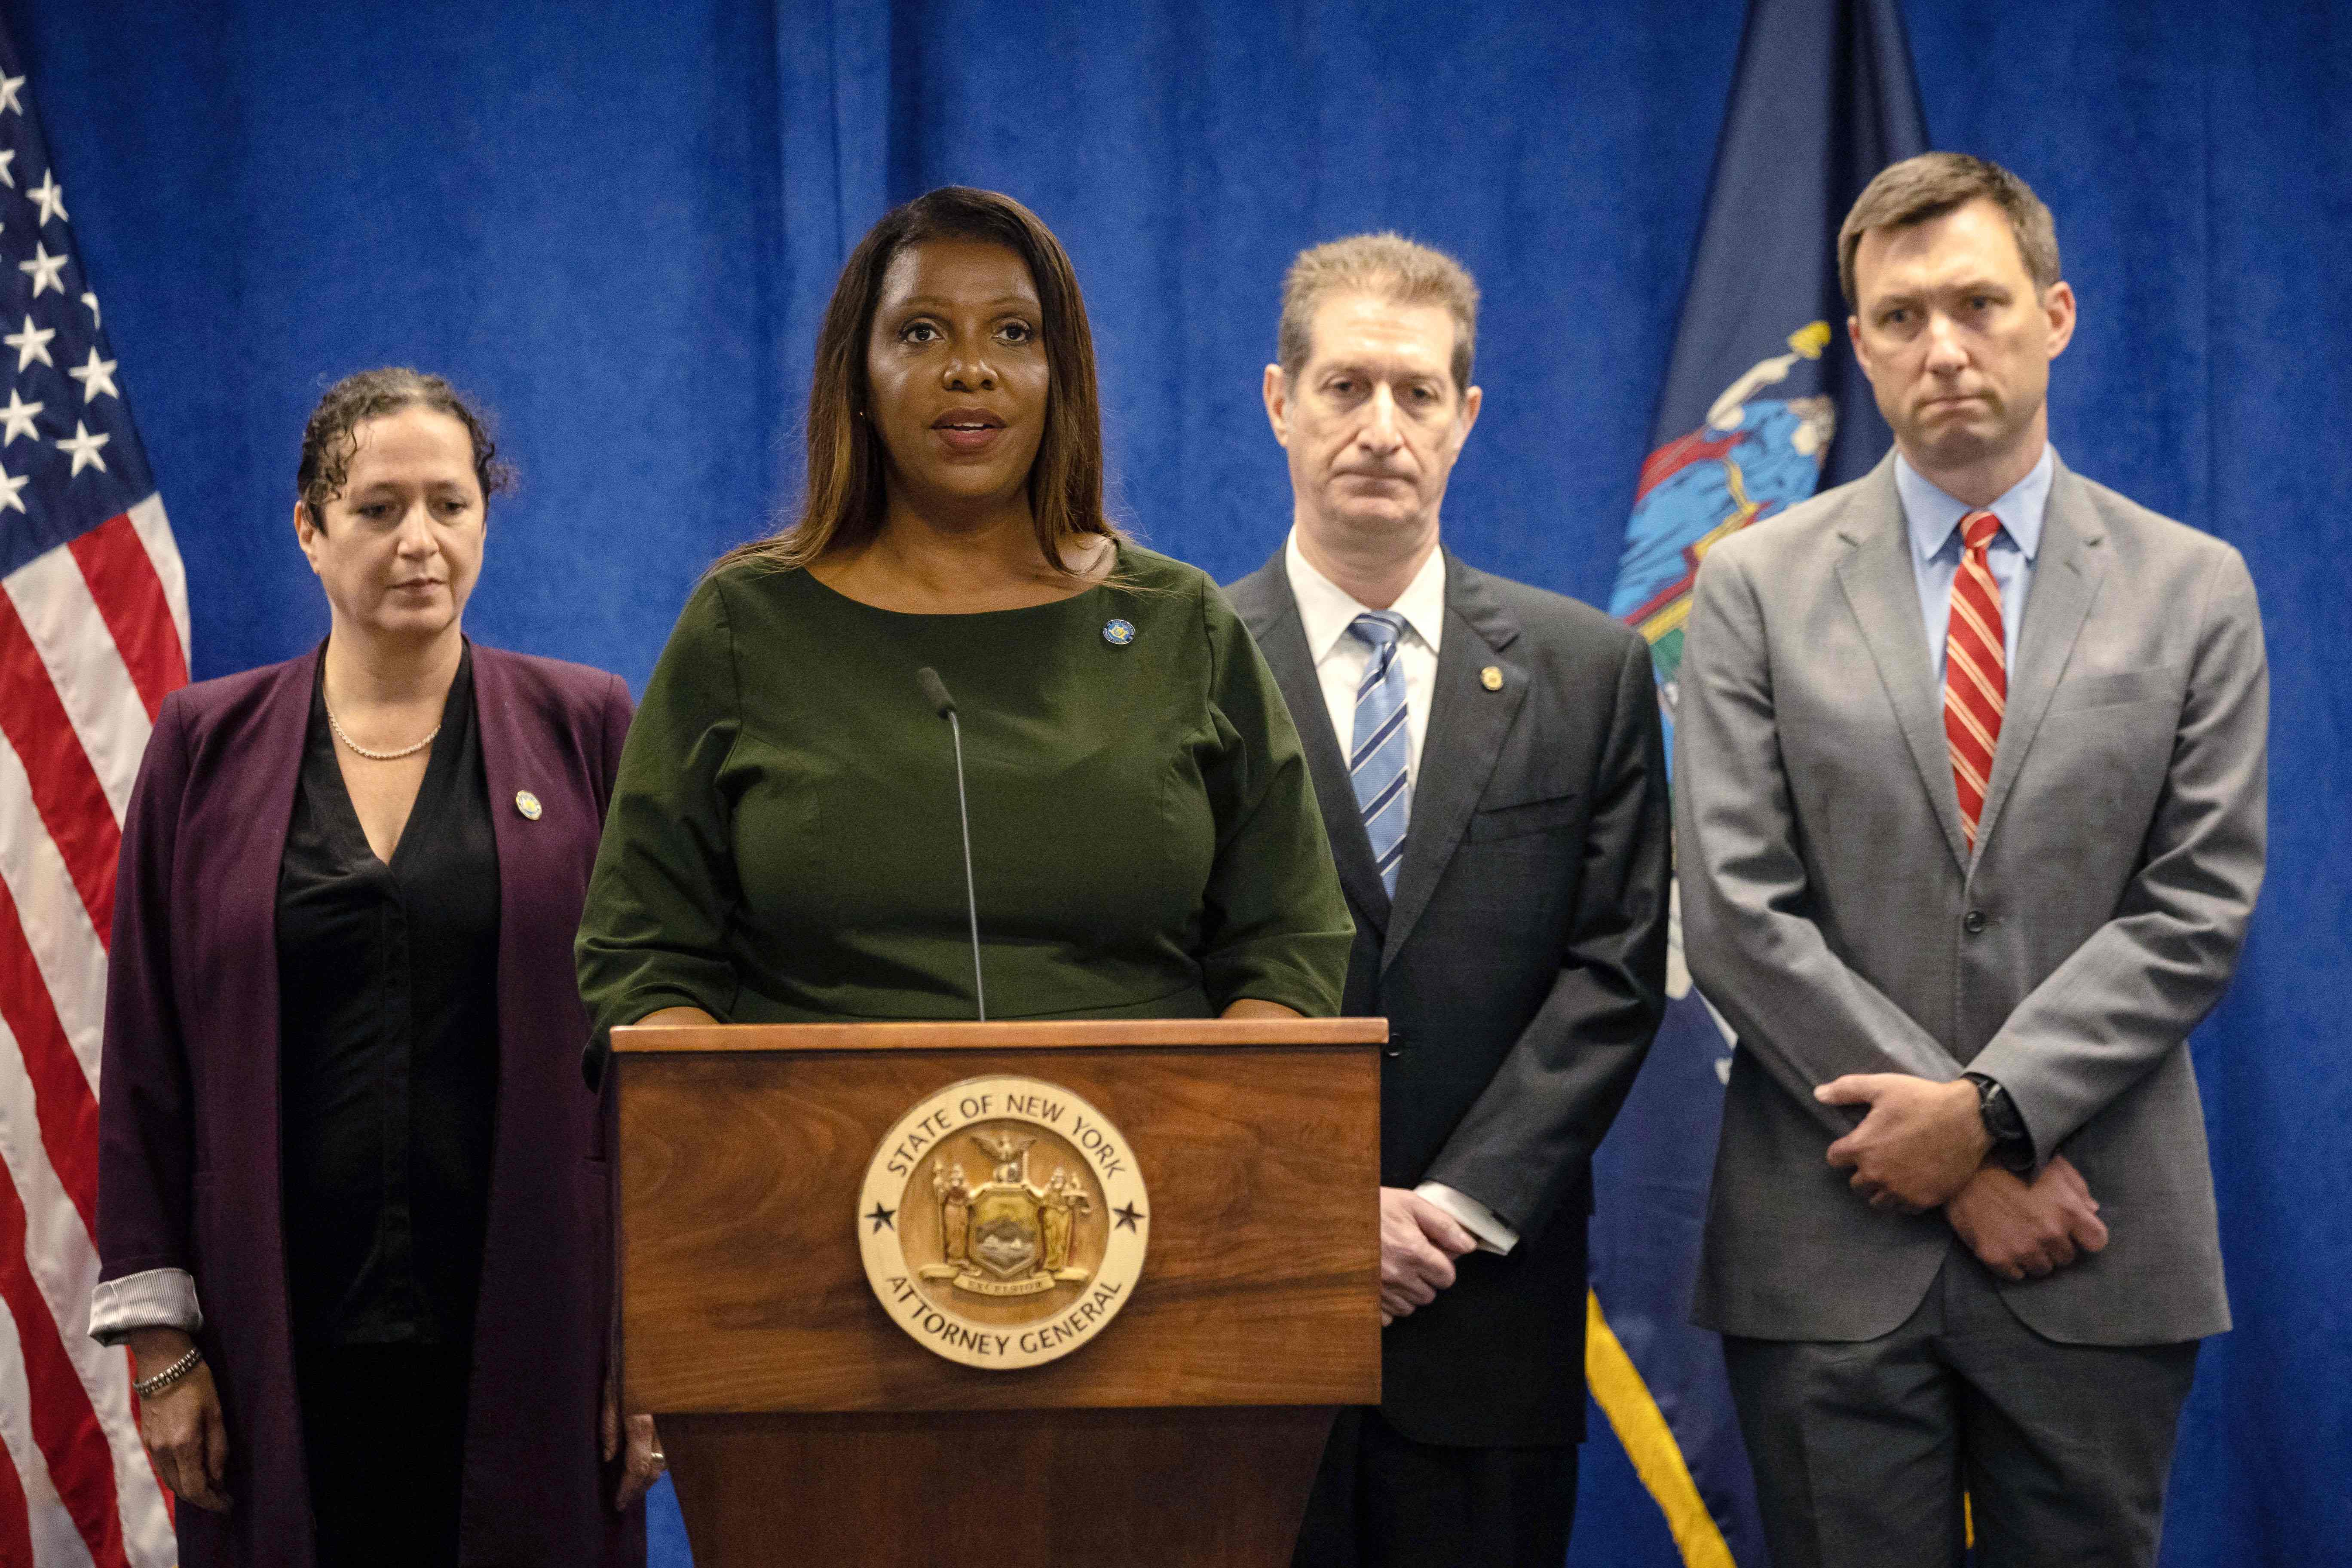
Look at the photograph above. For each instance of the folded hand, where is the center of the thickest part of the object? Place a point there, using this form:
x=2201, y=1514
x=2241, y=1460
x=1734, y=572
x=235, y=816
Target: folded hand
x=1919, y=1143
x=2022, y=1230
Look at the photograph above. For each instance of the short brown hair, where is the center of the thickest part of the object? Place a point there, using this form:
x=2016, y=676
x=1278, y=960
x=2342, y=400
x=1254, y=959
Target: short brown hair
x=1934, y=184
x=332, y=435
x=1389, y=265
x=843, y=499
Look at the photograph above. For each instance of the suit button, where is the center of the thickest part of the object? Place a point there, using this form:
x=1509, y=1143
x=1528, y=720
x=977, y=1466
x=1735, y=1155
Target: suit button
x=1973, y=922
x=1392, y=1051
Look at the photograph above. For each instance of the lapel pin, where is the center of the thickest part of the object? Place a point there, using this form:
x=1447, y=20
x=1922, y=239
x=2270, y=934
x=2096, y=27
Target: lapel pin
x=1491, y=678
x=1118, y=634
x=527, y=804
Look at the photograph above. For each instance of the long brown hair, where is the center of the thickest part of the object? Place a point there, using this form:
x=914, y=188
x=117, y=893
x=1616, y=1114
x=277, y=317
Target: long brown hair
x=843, y=499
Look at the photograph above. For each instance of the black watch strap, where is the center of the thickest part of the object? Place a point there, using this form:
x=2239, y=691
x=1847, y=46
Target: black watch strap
x=2001, y=1120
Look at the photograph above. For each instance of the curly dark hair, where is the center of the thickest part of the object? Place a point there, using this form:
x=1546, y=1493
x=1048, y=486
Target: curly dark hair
x=332, y=434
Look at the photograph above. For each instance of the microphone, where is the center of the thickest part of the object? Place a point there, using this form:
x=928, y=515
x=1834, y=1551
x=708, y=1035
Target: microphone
x=935, y=692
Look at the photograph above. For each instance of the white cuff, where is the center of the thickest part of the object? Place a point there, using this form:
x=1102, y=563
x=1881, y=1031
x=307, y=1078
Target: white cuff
x=159, y=1298
x=1483, y=1223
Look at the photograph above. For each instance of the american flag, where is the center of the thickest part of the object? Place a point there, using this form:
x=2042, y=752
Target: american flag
x=93, y=633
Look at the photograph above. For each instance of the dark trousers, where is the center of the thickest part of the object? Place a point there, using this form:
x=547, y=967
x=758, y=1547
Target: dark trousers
x=383, y=1428
x=1861, y=1451
x=1382, y=1501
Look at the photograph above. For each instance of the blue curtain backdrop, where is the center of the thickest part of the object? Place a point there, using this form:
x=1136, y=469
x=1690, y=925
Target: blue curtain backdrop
x=618, y=223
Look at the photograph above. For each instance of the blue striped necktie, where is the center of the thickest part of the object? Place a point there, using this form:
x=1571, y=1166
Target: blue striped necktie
x=1383, y=744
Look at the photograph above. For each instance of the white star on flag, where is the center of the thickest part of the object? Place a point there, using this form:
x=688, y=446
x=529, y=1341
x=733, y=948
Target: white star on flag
x=8, y=99
x=46, y=269
x=18, y=417
x=90, y=300
x=32, y=344
x=84, y=447
x=51, y=196
x=9, y=485
x=7, y=178
x=96, y=377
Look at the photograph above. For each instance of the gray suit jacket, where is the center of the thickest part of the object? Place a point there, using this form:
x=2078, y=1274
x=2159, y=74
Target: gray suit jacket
x=1521, y=968
x=1831, y=909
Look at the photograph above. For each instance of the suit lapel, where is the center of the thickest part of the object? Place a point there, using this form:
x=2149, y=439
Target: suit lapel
x=1882, y=589
x=241, y=850
x=507, y=755
x=2065, y=580
x=514, y=760
x=1270, y=613
x=510, y=759
x=1466, y=726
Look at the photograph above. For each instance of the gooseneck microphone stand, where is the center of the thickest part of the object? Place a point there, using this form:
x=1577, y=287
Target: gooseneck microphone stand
x=935, y=691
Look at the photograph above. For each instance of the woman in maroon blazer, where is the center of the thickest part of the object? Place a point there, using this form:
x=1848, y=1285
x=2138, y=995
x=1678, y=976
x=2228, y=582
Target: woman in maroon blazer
x=353, y=1218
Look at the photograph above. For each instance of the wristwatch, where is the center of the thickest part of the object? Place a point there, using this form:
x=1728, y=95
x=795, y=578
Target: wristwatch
x=2011, y=1148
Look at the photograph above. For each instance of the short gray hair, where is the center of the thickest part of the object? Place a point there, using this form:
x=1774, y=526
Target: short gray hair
x=1933, y=184
x=1401, y=270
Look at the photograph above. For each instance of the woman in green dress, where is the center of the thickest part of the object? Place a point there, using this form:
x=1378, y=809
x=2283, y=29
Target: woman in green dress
x=782, y=844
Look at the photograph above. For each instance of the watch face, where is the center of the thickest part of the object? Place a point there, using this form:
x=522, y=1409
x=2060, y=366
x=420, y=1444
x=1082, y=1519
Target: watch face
x=2000, y=1113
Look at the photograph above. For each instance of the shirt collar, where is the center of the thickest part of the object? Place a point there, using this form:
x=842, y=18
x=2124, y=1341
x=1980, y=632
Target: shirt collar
x=1931, y=515
x=1326, y=609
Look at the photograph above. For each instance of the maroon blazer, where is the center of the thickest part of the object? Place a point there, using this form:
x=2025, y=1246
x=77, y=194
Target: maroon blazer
x=188, y=1165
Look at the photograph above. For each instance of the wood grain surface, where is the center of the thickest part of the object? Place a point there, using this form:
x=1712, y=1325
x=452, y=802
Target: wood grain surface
x=1213, y=1487
x=743, y=1290
x=1095, y=1033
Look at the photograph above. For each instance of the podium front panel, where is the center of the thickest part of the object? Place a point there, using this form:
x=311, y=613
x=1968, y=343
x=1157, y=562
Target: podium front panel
x=742, y=1153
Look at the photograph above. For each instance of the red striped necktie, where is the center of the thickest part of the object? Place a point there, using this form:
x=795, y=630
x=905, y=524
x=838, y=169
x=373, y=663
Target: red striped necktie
x=1976, y=670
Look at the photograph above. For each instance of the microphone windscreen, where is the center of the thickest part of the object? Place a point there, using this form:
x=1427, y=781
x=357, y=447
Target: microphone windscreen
x=935, y=691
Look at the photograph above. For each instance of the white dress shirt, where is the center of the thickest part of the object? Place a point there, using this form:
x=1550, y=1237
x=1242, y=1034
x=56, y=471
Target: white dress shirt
x=1327, y=610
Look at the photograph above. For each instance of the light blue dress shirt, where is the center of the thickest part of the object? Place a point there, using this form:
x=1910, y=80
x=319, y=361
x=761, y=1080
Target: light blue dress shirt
x=1933, y=520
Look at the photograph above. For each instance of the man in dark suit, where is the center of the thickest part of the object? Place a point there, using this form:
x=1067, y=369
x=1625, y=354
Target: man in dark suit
x=1488, y=761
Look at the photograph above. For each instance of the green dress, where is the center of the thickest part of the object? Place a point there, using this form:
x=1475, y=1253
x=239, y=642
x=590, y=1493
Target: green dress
x=782, y=844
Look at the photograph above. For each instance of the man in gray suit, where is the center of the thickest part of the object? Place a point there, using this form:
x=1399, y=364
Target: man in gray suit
x=1969, y=802
x=1489, y=764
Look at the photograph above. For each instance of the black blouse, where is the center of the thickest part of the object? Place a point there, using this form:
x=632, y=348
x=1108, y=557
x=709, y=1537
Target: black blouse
x=387, y=981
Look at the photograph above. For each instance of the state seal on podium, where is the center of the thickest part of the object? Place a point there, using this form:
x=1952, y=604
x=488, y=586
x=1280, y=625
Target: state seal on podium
x=1003, y=1222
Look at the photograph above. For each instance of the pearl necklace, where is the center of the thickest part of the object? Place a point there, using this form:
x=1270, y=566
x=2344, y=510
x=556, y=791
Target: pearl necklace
x=377, y=756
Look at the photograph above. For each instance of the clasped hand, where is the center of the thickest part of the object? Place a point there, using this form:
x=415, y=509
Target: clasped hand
x=1419, y=1242
x=2022, y=1229
x=1922, y=1145
x=1918, y=1146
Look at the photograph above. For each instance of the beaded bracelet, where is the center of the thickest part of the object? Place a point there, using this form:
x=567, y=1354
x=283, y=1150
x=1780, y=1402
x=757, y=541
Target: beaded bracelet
x=148, y=1387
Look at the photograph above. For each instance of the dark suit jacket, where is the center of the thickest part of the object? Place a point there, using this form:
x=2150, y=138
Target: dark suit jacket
x=1521, y=967
x=188, y=1165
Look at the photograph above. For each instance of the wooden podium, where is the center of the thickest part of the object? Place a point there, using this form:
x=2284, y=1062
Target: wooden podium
x=805, y=1423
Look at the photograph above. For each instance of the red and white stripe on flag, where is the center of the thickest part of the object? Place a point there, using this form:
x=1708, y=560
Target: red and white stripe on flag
x=93, y=635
